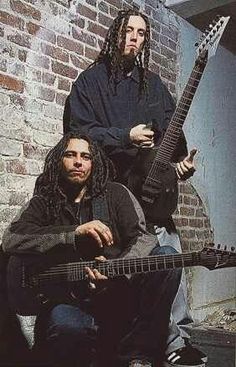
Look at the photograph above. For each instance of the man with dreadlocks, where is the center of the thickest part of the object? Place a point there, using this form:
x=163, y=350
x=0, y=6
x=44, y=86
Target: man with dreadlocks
x=78, y=212
x=113, y=101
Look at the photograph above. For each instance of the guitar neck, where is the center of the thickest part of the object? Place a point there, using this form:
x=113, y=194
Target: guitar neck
x=174, y=129
x=117, y=267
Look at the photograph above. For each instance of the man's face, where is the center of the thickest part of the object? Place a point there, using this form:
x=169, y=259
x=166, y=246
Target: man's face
x=77, y=162
x=135, y=35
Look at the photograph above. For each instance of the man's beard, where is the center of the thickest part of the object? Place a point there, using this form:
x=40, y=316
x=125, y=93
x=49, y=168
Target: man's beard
x=127, y=61
x=70, y=188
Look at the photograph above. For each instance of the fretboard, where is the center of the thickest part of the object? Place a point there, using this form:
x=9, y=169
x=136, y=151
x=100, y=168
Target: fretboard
x=173, y=132
x=75, y=271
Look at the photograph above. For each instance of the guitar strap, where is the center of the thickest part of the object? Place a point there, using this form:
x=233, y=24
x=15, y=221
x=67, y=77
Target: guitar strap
x=100, y=209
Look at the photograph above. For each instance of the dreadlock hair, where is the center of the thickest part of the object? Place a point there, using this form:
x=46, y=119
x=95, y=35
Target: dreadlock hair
x=48, y=183
x=111, y=49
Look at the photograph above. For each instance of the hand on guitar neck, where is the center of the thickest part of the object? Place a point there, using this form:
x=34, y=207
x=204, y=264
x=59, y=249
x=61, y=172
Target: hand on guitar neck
x=185, y=168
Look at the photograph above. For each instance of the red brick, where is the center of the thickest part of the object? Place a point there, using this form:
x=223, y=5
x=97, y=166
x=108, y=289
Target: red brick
x=157, y=58
x=48, y=78
x=86, y=12
x=20, y=39
x=79, y=22
x=154, y=68
x=54, y=52
x=64, y=84
x=61, y=99
x=22, y=55
x=16, y=166
x=168, y=53
x=46, y=94
x=3, y=65
x=41, y=32
x=79, y=62
x=104, y=20
x=17, y=100
x=92, y=2
x=186, y=211
x=11, y=20
x=173, y=34
x=155, y=36
x=91, y=53
x=64, y=70
x=103, y=7
x=97, y=29
x=116, y=3
x=8, y=82
x=27, y=10
x=84, y=37
x=34, y=151
x=172, y=87
x=70, y=45
x=198, y=223
x=38, y=60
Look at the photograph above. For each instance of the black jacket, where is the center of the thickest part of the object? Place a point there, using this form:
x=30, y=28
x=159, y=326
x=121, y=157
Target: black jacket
x=32, y=231
x=107, y=110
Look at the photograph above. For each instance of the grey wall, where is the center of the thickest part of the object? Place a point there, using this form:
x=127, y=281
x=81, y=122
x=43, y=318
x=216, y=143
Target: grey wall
x=211, y=128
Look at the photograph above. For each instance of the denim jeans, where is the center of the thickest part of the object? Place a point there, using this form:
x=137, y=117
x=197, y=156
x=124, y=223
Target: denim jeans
x=180, y=313
x=127, y=320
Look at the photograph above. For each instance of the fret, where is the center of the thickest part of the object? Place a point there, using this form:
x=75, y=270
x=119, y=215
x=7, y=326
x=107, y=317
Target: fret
x=164, y=263
x=149, y=265
x=173, y=262
x=182, y=260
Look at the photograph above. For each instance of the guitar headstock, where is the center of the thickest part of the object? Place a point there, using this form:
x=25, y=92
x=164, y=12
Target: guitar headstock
x=207, y=47
x=217, y=257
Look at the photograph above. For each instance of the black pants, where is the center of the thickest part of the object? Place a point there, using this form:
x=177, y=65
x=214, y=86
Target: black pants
x=127, y=320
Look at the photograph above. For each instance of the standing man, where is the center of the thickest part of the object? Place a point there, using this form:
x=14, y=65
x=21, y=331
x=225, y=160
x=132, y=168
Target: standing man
x=112, y=101
x=76, y=212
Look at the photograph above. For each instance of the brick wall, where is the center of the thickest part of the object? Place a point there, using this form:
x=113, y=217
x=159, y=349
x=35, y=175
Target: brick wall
x=44, y=45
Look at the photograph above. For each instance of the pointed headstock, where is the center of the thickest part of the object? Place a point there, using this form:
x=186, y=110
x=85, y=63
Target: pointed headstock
x=211, y=37
x=217, y=257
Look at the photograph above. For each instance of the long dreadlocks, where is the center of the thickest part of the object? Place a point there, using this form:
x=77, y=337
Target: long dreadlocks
x=112, y=48
x=48, y=183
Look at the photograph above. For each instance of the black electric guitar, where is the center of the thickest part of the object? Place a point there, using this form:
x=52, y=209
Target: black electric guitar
x=30, y=288
x=158, y=191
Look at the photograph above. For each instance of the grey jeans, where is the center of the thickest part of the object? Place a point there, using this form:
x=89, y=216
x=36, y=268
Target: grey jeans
x=180, y=314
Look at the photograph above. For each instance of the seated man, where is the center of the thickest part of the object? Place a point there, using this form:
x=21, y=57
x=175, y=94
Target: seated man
x=77, y=212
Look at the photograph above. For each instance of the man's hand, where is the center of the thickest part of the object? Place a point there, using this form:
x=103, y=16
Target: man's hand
x=185, y=168
x=141, y=136
x=94, y=275
x=98, y=231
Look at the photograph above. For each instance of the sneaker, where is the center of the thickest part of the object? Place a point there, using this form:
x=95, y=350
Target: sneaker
x=187, y=356
x=140, y=363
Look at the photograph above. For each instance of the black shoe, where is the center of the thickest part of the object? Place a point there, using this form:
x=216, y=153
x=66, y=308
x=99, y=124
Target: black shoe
x=187, y=356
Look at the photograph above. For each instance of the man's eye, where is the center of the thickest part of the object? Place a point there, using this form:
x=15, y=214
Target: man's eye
x=68, y=155
x=141, y=33
x=86, y=157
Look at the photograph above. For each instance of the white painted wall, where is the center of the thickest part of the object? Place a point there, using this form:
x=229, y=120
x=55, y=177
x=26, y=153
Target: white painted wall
x=211, y=127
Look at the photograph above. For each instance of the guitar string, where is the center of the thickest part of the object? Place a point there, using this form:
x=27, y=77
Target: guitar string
x=79, y=268
x=170, y=139
x=79, y=274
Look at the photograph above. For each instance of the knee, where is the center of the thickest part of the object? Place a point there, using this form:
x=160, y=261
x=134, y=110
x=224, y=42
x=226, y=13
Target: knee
x=66, y=321
x=163, y=250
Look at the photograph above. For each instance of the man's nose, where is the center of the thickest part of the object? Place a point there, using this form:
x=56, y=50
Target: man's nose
x=134, y=35
x=78, y=161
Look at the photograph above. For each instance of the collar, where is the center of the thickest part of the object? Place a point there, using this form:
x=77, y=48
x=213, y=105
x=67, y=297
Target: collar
x=134, y=75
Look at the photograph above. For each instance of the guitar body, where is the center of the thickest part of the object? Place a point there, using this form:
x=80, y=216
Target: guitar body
x=28, y=297
x=158, y=195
